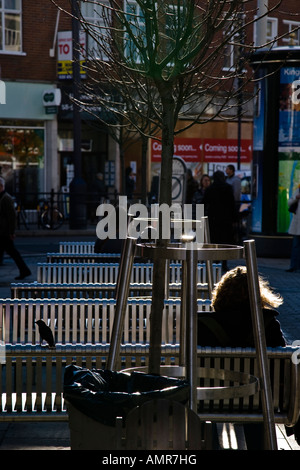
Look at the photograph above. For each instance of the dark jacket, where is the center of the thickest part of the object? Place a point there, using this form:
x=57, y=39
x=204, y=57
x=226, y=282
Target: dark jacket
x=234, y=329
x=7, y=215
x=219, y=207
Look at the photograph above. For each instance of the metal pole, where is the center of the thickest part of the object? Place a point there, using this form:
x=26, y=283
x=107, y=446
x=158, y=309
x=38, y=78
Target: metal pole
x=122, y=259
x=78, y=188
x=182, y=344
x=209, y=269
x=261, y=23
x=123, y=289
x=260, y=345
x=191, y=323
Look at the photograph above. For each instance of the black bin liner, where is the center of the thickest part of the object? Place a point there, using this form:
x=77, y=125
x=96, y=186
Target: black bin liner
x=104, y=395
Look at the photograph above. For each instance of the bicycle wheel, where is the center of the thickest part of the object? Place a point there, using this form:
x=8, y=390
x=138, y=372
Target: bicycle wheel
x=52, y=219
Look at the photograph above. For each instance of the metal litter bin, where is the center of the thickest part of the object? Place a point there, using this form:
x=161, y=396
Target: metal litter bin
x=97, y=398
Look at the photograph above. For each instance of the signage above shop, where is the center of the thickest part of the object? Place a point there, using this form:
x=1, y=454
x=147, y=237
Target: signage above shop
x=206, y=150
x=51, y=100
x=65, y=54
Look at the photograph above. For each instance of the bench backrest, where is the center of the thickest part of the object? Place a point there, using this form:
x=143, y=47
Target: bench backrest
x=87, y=320
x=108, y=272
x=76, y=247
x=43, y=290
x=83, y=257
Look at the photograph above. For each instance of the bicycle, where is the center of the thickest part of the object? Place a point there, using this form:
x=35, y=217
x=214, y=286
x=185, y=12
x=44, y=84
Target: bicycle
x=50, y=216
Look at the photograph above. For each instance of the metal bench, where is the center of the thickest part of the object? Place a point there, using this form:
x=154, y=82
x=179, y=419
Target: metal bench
x=33, y=385
x=83, y=257
x=39, y=290
x=80, y=321
x=229, y=402
x=108, y=273
x=76, y=247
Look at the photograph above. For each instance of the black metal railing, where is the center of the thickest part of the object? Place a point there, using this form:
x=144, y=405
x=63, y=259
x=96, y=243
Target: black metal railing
x=51, y=210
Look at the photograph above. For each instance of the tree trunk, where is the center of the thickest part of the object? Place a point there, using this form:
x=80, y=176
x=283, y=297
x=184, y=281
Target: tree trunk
x=165, y=196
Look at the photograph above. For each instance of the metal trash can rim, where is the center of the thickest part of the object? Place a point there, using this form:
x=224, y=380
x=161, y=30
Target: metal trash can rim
x=178, y=251
x=241, y=384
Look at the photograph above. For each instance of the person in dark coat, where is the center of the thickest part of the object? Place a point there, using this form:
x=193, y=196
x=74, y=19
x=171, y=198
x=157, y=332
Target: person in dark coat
x=199, y=194
x=230, y=325
x=129, y=182
x=219, y=206
x=191, y=186
x=8, y=219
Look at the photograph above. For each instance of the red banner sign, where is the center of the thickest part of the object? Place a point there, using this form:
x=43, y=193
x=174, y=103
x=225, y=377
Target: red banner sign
x=206, y=150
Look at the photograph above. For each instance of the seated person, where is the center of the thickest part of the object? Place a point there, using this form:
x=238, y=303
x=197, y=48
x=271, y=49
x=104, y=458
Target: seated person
x=230, y=323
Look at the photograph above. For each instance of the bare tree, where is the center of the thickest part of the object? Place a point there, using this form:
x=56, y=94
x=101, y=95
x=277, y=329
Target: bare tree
x=164, y=59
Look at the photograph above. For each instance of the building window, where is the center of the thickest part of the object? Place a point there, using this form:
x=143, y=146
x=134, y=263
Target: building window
x=231, y=54
x=171, y=20
x=233, y=47
x=293, y=31
x=135, y=17
x=22, y=152
x=96, y=15
x=271, y=33
x=10, y=26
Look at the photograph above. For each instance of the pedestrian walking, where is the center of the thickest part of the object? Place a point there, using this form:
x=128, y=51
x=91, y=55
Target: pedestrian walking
x=8, y=218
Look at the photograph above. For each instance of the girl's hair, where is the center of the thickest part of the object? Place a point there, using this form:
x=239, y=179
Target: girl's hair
x=232, y=291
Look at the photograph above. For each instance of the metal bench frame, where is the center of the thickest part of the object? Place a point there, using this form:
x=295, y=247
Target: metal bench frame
x=33, y=386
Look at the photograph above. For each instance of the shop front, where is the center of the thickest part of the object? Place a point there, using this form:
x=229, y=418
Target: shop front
x=28, y=156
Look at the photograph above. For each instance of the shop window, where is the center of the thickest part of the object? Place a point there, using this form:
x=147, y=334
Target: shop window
x=22, y=160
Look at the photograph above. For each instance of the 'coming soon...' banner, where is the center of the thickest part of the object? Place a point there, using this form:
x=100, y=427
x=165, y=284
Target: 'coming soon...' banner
x=206, y=150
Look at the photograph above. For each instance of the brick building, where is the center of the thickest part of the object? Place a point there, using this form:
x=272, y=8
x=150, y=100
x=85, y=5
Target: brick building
x=36, y=138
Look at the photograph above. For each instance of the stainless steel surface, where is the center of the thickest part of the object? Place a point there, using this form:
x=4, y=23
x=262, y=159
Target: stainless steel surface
x=191, y=324
x=189, y=253
x=244, y=384
x=123, y=290
x=260, y=344
x=209, y=269
x=176, y=251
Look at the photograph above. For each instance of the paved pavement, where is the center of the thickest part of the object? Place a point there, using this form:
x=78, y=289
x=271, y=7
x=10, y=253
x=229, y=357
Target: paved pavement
x=34, y=246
